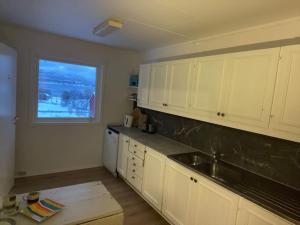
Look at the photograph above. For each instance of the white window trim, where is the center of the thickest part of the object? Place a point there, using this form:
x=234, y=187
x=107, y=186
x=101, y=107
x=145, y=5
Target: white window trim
x=34, y=94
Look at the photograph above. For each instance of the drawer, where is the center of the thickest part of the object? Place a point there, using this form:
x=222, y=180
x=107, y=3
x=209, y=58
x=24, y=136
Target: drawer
x=135, y=161
x=137, y=145
x=125, y=139
x=137, y=152
x=135, y=169
x=134, y=180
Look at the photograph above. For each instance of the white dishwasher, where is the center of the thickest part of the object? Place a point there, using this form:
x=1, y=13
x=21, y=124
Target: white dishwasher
x=110, y=150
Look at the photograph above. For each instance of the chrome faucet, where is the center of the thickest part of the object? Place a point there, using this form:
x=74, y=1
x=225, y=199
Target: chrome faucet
x=215, y=158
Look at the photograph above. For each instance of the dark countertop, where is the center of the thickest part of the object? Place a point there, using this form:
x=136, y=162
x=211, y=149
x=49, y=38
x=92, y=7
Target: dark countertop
x=275, y=197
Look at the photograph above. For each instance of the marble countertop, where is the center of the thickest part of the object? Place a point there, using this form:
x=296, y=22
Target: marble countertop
x=163, y=145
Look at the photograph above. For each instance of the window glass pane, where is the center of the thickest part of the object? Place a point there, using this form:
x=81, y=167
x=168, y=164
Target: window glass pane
x=66, y=90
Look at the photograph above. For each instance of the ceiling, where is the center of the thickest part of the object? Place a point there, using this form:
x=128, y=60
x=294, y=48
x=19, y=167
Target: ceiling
x=147, y=23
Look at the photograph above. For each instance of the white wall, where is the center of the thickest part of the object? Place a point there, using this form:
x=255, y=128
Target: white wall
x=51, y=148
x=268, y=35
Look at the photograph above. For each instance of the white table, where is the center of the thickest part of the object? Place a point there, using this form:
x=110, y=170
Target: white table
x=85, y=204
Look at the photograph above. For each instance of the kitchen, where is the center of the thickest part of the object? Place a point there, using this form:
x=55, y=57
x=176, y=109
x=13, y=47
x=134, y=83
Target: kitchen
x=211, y=130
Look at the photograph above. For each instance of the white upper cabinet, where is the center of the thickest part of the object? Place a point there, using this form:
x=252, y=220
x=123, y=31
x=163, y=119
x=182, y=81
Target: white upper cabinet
x=250, y=78
x=154, y=171
x=179, y=80
x=143, y=89
x=286, y=105
x=251, y=214
x=234, y=90
x=207, y=86
x=158, y=85
x=212, y=204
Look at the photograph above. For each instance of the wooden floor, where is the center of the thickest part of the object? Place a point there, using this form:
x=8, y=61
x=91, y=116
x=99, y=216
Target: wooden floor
x=136, y=210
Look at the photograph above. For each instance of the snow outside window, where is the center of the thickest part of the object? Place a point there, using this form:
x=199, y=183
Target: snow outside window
x=66, y=90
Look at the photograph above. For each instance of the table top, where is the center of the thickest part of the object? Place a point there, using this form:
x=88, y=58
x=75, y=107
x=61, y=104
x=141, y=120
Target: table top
x=83, y=203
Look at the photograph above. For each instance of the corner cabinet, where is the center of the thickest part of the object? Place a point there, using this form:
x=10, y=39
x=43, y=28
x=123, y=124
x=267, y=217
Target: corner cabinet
x=153, y=179
x=256, y=91
x=285, y=116
x=251, y=214
x=122, y=155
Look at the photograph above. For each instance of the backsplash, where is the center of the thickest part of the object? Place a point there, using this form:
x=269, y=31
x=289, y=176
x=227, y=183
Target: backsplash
x=270, y=157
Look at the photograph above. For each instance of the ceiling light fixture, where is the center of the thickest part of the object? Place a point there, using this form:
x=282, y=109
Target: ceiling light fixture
x=108, y=26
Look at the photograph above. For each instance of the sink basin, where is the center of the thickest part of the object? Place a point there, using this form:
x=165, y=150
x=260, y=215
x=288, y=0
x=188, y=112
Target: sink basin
x=202, y=163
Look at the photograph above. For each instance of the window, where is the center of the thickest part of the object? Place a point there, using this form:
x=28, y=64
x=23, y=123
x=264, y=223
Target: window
x=66, y=91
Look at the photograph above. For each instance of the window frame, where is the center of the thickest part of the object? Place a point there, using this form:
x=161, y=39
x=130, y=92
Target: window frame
x=74, y=120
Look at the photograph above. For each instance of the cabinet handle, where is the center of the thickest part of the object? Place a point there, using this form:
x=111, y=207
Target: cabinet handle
x=195, y=180
x=132, y=158
x=222, y=114
x=192, y=178
x=166, y=104
x=145, y=151
x=134, y=152
x=134, y=164
x=132, y=177
x=133, y=171
x=218, y=113
x=127, y=141
x=135, y=145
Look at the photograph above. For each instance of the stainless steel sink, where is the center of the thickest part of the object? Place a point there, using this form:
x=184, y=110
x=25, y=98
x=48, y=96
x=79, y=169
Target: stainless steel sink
x=207, y=165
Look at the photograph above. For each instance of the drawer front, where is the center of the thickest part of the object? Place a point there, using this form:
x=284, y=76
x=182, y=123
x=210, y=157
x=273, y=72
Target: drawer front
x=134, y=160
x=126, y=139
x=137, y=145
x=135, y=170
x=134, y=180
x=137, y=152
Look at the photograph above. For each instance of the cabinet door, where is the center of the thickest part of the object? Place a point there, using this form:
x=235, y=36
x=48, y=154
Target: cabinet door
x=154, y=170
x=158, y=85
x=286, y=105
x=176, y=193
x=143, y=89
x=251, y=214
x=251, y=80
x=178, y=89
x=122, y=155
x=212, y=204
x=207, y=87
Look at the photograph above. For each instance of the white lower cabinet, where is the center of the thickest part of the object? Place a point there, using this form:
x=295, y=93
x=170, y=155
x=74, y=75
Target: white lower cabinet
x=154, y=171
x=187, y=198
x=122, y=155
x=193, y=200
x=177, y=190
x=251, y=214
x=212, y=204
